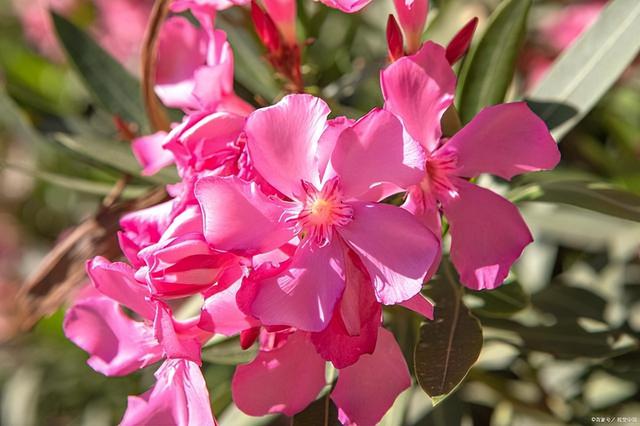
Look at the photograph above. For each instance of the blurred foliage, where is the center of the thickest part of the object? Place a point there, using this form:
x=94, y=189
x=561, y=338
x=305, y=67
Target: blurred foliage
x=560, y=339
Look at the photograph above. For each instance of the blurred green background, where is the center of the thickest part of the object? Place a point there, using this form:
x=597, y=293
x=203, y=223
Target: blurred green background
x=560, y=340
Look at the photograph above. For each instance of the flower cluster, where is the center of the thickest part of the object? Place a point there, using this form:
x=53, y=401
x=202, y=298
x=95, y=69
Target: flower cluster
x=280, y=222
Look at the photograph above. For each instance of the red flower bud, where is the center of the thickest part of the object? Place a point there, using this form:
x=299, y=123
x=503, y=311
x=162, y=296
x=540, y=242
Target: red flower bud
x=265, y=28
x=248, y=337
x=394, y=39
x=460, y=43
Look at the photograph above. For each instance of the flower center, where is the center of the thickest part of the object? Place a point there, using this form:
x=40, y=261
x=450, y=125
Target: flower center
x=436, y=182
x=322, y=210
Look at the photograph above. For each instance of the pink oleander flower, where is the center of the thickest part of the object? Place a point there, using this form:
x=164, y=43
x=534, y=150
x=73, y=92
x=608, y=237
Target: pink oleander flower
x=194, y=69
x=330, y=184
x=288, y=361
x=503, y=140
x=412, y=15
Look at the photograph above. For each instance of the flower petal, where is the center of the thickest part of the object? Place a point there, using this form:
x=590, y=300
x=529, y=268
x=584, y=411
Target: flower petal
x=179, y=397
x=488, y=234
x=373, y=151
x=238, y=216
x=347, y=6
x=181, y=50
x=221, y=315
x=283, y=141
x=116, y=280
x=150, y=154
x=366, y=390
x=282, y=380
x=421, y=305
x=353, y=330
x=395, y=248
x=305, y=293
x=418, y=89
x=504, y=140
x=117, y=344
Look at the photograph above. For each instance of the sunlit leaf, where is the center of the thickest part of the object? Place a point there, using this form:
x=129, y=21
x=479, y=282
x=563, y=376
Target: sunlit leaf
x=228, y=352
x=490, y=67
x=505, y=300
x=597, y=196
x=114, y=154
x=451, y=343
x=116, y=89
x=585, y=71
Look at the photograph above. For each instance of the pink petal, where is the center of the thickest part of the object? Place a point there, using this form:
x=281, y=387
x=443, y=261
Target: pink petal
x=327, y=143
x=353, y=330
x=412, y=15
x=177, y=341
x=179, y=397
x=238, y=216
x=304, y=295
x=487, y=235
x=283, y=140
x=460, y=43
x=221, y=315
x=283, y=380
x=504, y=140
x=419, y=89
x=421, y=305
x=116, y=280
x=150, y=154
x=366, y=390
x=181, y=50
x=347, y=6
x=117, y=344
x=373, y=151
x=394, y=247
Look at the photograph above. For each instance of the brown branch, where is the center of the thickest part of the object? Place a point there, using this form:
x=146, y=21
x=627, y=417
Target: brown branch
x=155, y=111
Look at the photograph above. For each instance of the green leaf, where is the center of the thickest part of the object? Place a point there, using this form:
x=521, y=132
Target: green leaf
x=569, y=302
x=250, y=69
x=114, y=154
x=491, y=64
x=450, y=344
x=596, y=196
x=116, y=89
x=74, y=183
x=584, y=72
x=322, y=412
x=565, y=340
x=504, y=301
x=228, y=352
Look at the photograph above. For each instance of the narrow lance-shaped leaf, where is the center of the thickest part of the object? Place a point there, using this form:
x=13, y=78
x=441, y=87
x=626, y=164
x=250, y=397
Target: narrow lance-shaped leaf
x=451, y=343
x=584, y=72
x=490, y=66
x=596, y=196
x=116, y=89
x=503, y=301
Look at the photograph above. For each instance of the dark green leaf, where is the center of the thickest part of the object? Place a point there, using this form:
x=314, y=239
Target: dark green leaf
x=228, y=352
x=114, y=154
x=116, y=89
x=322, y=412
x=505, y=300
x=583, y=74
x=597, y=196
x=451, y=343
x=569, y=302
x=490, y=67
x=566, y=340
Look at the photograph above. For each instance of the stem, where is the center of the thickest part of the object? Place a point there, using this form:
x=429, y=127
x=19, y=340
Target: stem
x=155, y=111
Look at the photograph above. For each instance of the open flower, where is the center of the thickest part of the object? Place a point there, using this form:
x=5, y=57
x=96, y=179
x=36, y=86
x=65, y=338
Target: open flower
x=293, y=366
x=487, y=232
x=330, y=186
